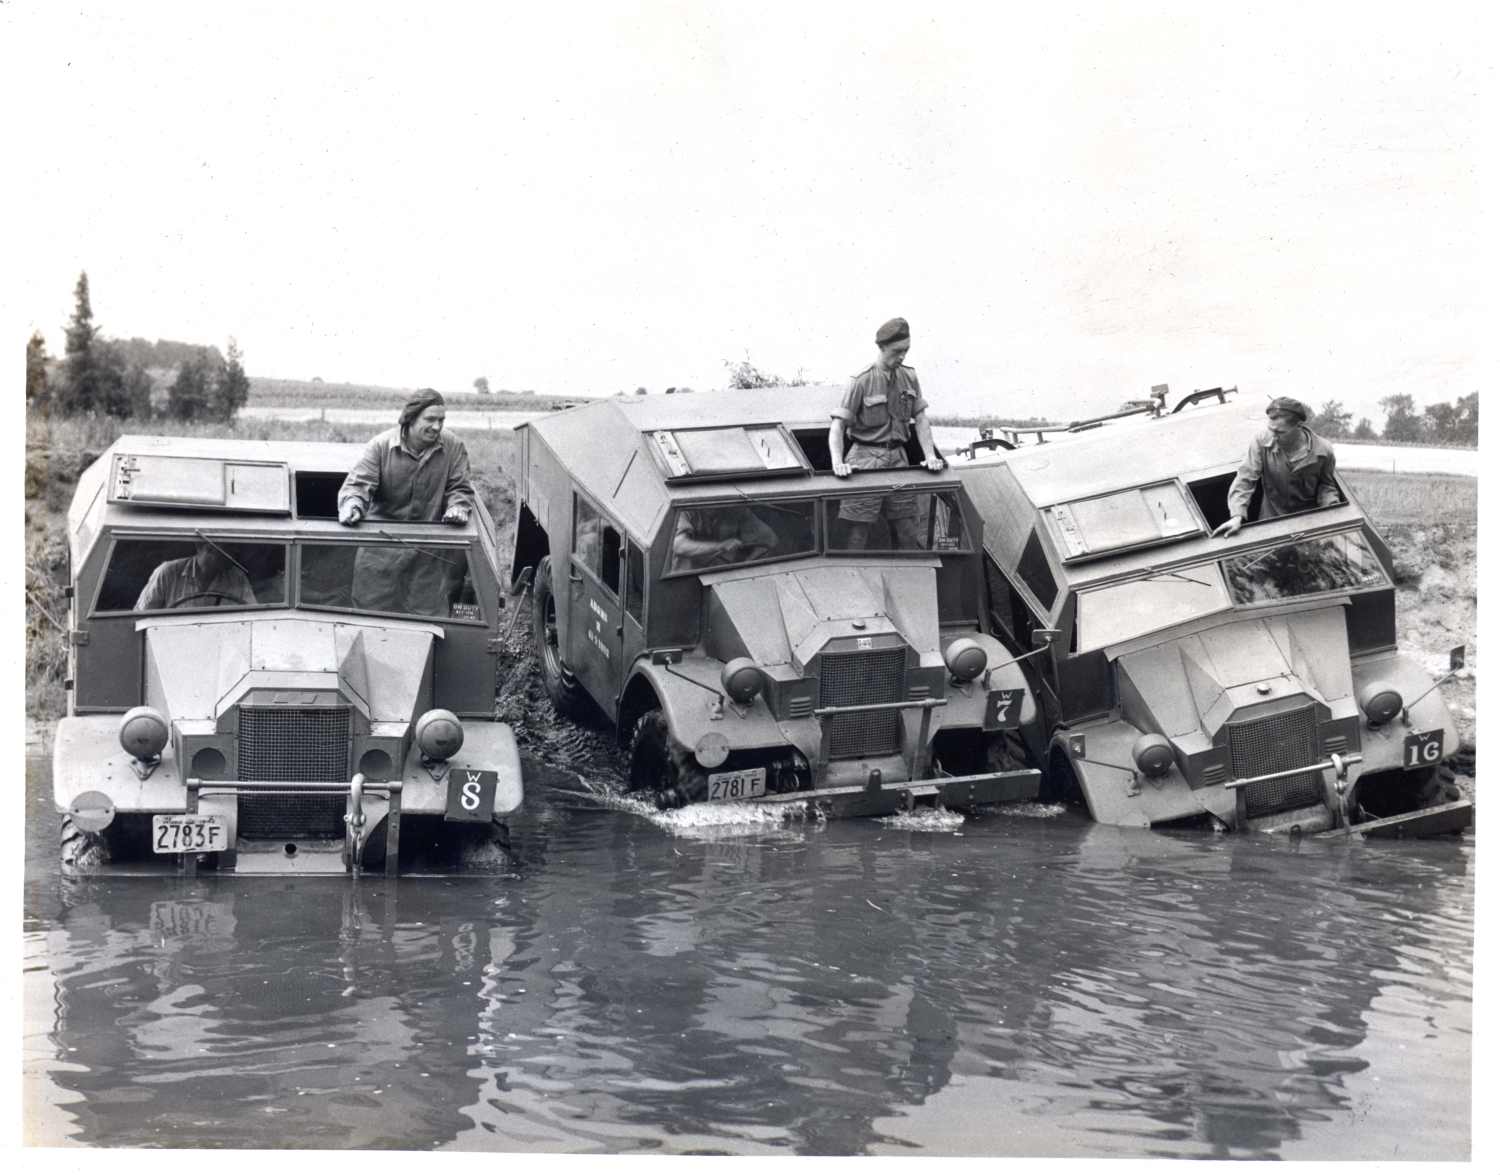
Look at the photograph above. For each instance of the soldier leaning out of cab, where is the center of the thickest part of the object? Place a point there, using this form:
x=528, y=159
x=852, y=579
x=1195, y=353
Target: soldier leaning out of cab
x=870, y=429
x=410, y=473
x=1292, y=465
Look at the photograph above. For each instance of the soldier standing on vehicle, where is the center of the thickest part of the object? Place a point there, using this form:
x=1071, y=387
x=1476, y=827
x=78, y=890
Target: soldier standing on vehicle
x=410, y=473
x=1292, y=465
x=881, y=408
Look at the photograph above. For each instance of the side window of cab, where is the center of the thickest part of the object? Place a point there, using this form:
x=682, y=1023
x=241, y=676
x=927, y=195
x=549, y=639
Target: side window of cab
x=596, y=544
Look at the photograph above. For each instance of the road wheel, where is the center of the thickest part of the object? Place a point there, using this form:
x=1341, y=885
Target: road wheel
x=1440, y=787
x=78, y=850
x=660, y=766
x=1005, y=751
x=567, y=694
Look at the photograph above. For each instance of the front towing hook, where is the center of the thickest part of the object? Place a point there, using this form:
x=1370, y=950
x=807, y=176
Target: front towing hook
x=355, y=822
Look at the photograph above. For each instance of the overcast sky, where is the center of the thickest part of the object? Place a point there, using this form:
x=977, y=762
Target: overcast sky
x=1069, y=203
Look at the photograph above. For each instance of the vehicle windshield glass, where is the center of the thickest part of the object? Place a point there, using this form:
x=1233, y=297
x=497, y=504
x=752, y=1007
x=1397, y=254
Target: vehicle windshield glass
x=897, y=520
x=1120, y=611
x=730, y=534
x=1338, y=562
x=161, y=575
x=405, y=579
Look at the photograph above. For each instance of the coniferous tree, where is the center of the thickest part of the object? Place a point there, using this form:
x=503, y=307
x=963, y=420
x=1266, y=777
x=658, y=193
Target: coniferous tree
x=36, y=373
x=232, y=387
x=93, y=370
x=80, y=386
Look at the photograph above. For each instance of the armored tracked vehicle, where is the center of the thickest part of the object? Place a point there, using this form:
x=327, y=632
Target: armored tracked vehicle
x=1251, y=681
x=232, y=707
x=696, y=584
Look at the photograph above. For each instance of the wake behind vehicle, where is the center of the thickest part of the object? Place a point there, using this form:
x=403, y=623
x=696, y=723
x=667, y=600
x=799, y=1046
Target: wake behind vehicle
x=1251, y=681
x=695, y=582
x=231, y=704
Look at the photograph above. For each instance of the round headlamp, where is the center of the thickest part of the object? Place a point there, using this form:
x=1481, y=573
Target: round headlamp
x=1380, y=701
x=143, y=733
x=1153, y=755
x=712, y=750
x=439, y=734
x=742, y=680
x=965, y=658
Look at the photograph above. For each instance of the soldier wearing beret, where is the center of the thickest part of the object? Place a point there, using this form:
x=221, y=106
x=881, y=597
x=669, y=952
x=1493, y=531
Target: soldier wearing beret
x=1292, y=465
x=870, y=428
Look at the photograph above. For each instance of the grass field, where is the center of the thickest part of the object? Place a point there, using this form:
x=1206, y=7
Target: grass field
x=1414, y=511
x=297, y=393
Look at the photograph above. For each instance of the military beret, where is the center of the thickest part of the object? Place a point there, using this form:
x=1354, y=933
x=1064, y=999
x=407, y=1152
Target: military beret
x=1289, y=406
x=892, y=332
x=419, y=403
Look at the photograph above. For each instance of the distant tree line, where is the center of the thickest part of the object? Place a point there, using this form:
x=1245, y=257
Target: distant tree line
x=115, y=377
x=1436, y=424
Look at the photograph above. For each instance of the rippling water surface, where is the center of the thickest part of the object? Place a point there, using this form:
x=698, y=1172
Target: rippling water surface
x=715, y=982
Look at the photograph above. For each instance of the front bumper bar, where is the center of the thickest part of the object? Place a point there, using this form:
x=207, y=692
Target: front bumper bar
x=952, y=791
x=355, y=818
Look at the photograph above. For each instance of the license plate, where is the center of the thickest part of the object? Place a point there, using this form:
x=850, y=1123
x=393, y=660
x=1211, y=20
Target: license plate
x=1424, y=749
x=189, y=834
x=737, y=785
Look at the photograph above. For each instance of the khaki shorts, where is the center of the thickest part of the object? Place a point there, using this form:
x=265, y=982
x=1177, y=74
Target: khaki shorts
x=869, y=507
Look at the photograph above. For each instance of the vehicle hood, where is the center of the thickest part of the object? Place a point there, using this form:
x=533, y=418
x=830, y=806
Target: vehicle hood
x=1193, y=684
x=199, y=670
x=784, y=617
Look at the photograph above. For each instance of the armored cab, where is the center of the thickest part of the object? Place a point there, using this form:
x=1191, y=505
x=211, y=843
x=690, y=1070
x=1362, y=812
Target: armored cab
x=696, y=582
x=232, y=705
x=1252, y=680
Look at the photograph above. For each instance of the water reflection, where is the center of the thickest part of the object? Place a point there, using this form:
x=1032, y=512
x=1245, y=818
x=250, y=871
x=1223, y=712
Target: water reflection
x=1008, y=987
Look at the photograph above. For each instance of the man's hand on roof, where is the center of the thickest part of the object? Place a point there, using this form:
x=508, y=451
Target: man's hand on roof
x=935, y=464
x=1225, y=529
x=350, y=513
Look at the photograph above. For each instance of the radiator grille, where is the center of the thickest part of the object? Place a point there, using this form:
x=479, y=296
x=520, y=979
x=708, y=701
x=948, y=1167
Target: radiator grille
x=1277, y=743
x=293, y=744
x=855, y=679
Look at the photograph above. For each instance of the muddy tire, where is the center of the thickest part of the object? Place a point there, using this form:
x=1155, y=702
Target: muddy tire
x=80, y=851
x=567, y=694
x=662, y=768
x=1440, y=787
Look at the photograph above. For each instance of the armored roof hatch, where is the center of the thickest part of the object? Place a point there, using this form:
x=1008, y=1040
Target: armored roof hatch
x=725, y=453
x=200, y=483
x=1143, y=516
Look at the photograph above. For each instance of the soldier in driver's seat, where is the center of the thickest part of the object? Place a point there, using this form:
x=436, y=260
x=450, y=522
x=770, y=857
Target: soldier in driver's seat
x=208, y=578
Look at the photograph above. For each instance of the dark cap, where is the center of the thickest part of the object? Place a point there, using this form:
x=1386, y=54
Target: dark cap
x=1290, y=407
x=418, y=404
x=892, y=332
